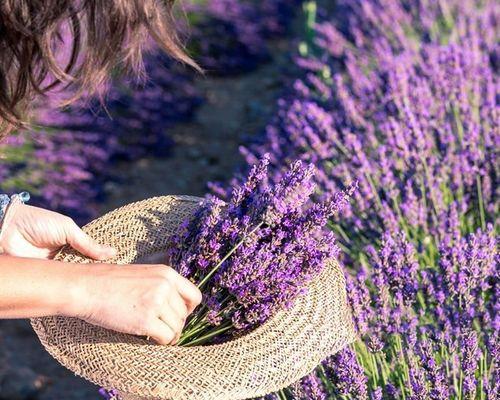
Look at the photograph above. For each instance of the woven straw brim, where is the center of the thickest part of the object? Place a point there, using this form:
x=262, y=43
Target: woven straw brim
x=273, y=356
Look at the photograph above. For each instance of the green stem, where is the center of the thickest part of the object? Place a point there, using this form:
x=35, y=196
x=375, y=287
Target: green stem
x=458, y=123
x=378, y=201
x=187, y=333
x=481, y=203
x=374, y=368
x=339, y=229
x=382, y=363
x=196, y=317
x=199, y=323
x=481, y=375
x=203, y=339
x=429, y=184
x=399, y=346
x=310, y=11
x=324, y=378
x=402, y=221
x=460, y=384
x=421, y=300
x=282, y=395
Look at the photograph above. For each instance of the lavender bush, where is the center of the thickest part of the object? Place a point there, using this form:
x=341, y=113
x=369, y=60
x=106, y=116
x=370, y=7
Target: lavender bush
x=402, y=96
x=56, y=167
x=228, y=36
x=254, y=254
x=65, y=158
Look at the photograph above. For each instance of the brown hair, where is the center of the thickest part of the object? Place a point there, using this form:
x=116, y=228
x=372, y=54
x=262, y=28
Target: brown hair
x=104, y=35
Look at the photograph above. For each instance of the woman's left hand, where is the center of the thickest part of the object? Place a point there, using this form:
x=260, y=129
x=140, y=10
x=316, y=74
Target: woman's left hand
x=38, y=233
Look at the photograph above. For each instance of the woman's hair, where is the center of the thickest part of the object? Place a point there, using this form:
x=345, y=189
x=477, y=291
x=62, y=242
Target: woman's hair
x=96, y=37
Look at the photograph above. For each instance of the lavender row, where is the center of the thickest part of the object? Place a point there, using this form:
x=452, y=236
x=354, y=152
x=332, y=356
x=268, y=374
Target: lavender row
x=402, y=98
x=65, y=159
x=230, y=36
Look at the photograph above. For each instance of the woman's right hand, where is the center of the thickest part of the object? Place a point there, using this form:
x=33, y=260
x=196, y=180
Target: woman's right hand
x=147, y=300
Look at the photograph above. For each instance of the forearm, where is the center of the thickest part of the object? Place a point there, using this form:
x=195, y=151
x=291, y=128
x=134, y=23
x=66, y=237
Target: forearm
x=34, y=287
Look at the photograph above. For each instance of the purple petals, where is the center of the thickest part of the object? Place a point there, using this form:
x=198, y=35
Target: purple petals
x=257, y=253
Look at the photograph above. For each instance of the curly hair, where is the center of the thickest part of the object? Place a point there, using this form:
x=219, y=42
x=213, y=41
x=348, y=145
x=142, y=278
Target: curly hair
x=104, y=36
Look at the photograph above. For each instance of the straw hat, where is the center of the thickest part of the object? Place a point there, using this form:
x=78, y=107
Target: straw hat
x=273, y=356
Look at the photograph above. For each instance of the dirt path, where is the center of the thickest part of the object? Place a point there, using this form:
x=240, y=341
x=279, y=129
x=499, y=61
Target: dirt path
x=206, y=150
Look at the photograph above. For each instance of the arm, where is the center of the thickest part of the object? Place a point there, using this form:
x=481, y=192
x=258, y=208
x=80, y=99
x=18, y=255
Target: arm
x=34, y=287
x=150, y=300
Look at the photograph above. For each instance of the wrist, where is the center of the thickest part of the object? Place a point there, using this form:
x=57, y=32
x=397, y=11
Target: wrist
x=77, y=298
x=66, y=293
x=86, y=289
x=36, y=288
x=66, y=289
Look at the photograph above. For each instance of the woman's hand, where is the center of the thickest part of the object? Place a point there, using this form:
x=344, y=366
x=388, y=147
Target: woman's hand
x=145, y=300
x=140, y=299
x=37, y=233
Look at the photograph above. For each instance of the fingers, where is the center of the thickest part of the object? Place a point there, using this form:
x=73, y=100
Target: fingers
x=188, y=291
x=82, y=242
x=178, y=306
x=177, y=314
x=171, y=306
x=183, y=297
x=174, y=321
x=173, y=315
x=161, y=332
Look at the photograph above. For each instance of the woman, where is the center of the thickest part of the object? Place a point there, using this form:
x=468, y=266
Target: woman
x=149, y=300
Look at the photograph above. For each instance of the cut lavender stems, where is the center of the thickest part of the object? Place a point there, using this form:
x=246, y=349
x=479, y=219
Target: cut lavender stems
x=253, y=255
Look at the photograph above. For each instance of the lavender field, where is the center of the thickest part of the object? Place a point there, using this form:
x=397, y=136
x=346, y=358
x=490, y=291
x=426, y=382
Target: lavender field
x=389, y=108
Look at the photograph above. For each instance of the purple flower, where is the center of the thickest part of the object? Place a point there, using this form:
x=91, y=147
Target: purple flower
x=256, y=253
x=410, y=111
x=109, y=394
x=309, y=388
x=470, y=356
x=346, y=374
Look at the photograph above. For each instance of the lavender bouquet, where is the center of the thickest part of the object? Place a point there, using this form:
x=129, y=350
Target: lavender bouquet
x=253, y=255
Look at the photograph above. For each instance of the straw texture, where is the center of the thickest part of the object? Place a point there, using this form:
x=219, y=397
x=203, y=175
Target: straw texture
x=271, y=357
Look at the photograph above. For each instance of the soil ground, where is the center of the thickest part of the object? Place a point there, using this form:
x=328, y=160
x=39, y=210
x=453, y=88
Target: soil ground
x=206, y=150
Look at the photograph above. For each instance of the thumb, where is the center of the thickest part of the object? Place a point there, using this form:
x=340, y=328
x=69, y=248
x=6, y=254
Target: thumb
x=82, y=242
